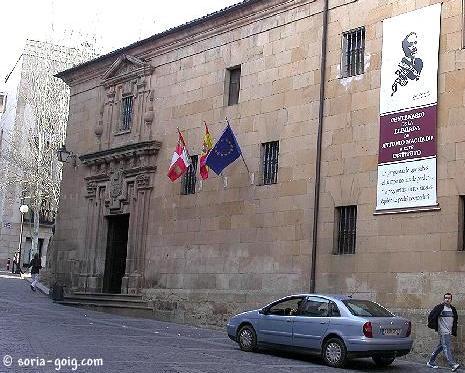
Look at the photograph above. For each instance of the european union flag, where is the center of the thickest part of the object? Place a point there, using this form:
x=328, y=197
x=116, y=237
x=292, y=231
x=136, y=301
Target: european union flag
x=225, y=151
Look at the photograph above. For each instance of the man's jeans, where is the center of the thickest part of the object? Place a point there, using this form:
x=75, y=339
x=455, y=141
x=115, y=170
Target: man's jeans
x=35, y=279
x=443, y=345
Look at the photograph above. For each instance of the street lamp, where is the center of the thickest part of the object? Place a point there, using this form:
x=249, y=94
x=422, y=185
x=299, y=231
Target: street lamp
x=23, y=209
x=64, y=155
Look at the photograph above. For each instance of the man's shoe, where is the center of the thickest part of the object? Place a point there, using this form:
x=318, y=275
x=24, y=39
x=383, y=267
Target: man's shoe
x=433, y=366
x=455, y=367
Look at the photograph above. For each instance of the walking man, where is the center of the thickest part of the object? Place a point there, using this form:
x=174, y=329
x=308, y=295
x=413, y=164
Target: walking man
x=35, y=265
x=443, y=318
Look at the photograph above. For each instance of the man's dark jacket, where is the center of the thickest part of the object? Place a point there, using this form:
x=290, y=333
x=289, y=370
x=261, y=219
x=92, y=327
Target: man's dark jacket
x=434, y=316
x=35, y=265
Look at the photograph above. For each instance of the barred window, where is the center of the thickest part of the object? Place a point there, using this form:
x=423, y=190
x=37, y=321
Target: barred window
x=353, y=51
x=234, y=85
x=461, y=243
x=463, y=23
x=126, y=113
x=270, y=153
x=346, y=223
x=190, y=177
x=2, y=102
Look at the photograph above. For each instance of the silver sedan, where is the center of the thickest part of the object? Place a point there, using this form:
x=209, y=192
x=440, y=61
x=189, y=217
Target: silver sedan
x=337, y=327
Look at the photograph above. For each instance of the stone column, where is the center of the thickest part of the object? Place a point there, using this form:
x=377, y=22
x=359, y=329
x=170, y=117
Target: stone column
x=91, y=274
x=132, y=281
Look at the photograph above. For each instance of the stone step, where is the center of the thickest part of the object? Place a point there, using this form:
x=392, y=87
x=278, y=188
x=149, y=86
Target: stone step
x=115, y=307
x=106, y=295
x=106, y=299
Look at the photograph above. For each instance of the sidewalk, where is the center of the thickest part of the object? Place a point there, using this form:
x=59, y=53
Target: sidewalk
x=65, y=334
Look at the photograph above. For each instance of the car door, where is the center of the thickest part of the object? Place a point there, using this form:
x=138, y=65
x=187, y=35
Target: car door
x=275, y=324
x=311, y=322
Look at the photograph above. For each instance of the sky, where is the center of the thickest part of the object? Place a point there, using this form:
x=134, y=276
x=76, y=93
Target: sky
x=113, y=23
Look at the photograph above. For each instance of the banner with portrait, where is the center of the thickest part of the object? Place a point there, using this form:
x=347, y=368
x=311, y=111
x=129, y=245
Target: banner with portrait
x=408, y=110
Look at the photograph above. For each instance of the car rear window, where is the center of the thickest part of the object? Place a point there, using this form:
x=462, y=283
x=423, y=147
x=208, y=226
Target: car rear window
x=366, y=308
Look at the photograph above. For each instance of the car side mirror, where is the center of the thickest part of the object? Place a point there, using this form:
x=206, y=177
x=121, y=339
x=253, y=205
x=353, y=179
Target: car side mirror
x=262, y=311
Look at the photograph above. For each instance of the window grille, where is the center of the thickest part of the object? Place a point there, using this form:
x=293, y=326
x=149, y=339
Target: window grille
x=2, y=102
x=353, y=51
x=270, y=153
x=461, y=246
x=346, y=229
x=126, y=113
x=234, y=85
x=189, y=179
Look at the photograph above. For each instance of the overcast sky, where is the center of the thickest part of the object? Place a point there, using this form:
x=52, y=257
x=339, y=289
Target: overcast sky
x=115, y=23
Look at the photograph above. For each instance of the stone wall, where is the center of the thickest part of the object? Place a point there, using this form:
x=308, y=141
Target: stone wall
x=234, y=245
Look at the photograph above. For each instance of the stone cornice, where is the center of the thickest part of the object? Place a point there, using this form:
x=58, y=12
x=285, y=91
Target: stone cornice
x=173, y=39
x=226, y=27
x=204, y=29
x=121, y=153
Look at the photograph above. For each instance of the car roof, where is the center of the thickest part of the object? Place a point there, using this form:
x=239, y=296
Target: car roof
x=329, y=296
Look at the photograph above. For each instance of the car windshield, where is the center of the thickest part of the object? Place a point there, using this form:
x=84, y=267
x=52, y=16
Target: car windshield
x=366, y=308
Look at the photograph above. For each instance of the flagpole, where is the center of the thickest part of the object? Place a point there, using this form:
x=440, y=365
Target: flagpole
x=242, y=156
x=247, y=167
x=181, y=137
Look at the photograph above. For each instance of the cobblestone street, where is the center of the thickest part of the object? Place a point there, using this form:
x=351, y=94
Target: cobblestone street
x=35, y=328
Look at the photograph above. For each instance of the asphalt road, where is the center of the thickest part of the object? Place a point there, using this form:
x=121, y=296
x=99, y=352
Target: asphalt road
x=56, y=338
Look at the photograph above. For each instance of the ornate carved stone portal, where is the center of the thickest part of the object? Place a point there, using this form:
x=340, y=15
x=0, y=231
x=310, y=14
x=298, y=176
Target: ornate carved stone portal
x=119, y=181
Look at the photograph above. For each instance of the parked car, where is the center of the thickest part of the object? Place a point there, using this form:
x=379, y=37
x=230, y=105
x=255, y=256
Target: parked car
x=337, y=327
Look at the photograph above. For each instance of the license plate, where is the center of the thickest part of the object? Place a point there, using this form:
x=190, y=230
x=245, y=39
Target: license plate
x=393, y=332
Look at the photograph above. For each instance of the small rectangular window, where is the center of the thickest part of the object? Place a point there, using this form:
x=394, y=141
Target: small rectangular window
x=353, y=52
x=346, y=232
x=126, y=113
x=461, y=243
x=463, y=23
x=189, y=179
x=270, y=153
x=2, y=102
x=234, y=86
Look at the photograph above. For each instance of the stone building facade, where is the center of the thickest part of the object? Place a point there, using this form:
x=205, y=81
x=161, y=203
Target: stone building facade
x=236, y=243
x=16, y=123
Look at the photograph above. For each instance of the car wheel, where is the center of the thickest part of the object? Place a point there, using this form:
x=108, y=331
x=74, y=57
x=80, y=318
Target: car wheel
x=383, y=361
x=247, y=338
x=334, y=353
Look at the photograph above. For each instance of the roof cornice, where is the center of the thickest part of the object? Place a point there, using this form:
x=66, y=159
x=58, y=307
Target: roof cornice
x=200, y=29
x=218, y=23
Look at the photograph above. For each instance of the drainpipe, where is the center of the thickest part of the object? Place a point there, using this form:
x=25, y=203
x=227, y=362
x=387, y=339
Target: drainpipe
x=316, y=198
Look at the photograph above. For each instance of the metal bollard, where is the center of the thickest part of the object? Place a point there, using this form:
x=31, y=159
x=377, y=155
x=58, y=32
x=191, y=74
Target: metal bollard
x=8, y=264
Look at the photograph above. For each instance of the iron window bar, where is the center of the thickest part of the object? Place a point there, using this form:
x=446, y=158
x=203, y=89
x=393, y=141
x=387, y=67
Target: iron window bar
x=353, y=52
x=270, y=152
x=463, y=222
x=347, y=230
x=189, y=179
x=126, y=113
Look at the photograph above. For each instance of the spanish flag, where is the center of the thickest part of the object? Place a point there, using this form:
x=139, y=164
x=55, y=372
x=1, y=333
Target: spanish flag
x=206, y=147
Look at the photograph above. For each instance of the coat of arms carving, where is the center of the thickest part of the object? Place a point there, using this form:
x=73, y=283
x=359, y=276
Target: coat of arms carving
x=116, y=183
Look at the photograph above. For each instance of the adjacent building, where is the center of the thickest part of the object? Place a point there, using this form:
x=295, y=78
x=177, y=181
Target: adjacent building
x=33, y=117
x=349, y=115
